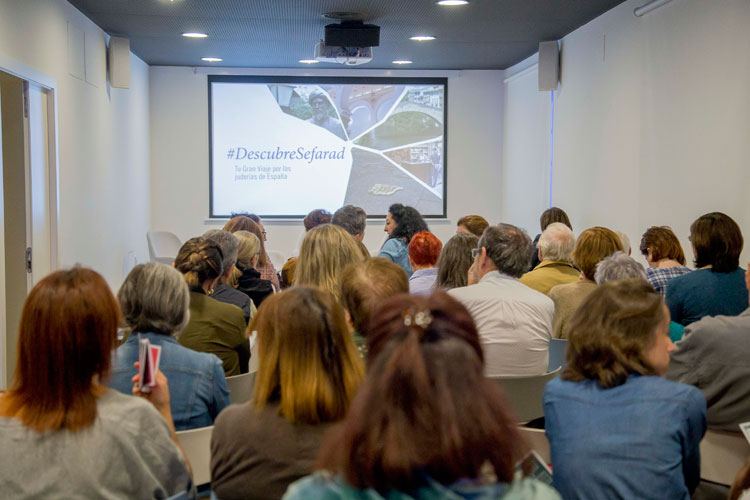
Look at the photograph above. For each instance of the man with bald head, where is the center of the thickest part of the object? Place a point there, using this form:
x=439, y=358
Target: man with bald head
x=555, y=249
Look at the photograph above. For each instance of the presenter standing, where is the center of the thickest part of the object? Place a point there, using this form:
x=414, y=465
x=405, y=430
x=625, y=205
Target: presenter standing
x=401, y=224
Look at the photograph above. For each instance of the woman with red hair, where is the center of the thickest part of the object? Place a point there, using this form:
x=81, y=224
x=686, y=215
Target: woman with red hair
x=64, y=434
x=424, y=250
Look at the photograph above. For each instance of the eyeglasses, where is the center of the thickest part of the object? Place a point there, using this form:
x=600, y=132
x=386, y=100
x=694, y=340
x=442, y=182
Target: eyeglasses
x=475, y=252
x=263, y=233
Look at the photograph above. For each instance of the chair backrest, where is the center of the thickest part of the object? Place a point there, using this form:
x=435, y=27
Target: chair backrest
x=197, y=446
x=723, y=454
x=241, y=387
x=163, y=246
x=277, y=259
x=525, y=394
x=538, y=442
x=557, y=354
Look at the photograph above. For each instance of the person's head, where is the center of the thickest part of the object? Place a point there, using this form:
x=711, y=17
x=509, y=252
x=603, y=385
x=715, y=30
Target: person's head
x=287, y=273
x=404, y=222
x=425, y=408
x=424, y=250
x=556, y=243
x=625, y=242
x=618, y=266
x=364, y=286
x=554, y=214
x=199, y=260
x=621, y=329
x=455, y=260
x=248, y=254
x=505, y=248
x=245, y=223
x=154, y=298
x=308, y=361
x=593, y=245
x=316, y=218
x=659, y=243
x=352, y=219
x=228, y=244
x=717, y=242
x=324, y=254
x=319, y=104
x=474, y=224
x=259, y=222
x=66, y=335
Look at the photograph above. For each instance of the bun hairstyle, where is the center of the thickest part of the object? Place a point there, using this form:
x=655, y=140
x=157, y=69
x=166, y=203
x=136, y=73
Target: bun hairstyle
x=199, y=260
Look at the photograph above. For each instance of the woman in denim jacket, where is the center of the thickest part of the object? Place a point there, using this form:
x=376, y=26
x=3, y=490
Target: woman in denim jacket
x=617, y=428
x=154, y=299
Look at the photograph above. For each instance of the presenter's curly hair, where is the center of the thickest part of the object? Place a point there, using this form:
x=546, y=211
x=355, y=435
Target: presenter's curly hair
x=199, y=260
x=425, y=409
x=408, y=222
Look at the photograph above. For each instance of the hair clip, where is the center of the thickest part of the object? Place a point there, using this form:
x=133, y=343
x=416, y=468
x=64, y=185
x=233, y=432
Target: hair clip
x=421, y=319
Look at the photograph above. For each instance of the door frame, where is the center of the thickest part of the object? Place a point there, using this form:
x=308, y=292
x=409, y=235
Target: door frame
x=49, y=83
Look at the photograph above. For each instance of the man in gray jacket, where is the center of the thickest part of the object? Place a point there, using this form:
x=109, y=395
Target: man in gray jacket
x=714, y=356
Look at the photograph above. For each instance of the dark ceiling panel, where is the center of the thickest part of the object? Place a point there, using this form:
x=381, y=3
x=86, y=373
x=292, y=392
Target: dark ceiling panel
x=486, y=34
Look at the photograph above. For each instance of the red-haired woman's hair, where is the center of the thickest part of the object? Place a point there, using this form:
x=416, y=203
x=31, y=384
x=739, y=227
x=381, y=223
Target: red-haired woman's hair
x=425, y=408
x=67, y=333
x=424, y=249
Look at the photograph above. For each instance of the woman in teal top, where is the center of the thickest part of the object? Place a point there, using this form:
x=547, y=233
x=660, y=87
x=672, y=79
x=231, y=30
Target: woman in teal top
x=425, y=424
x=401, y=224
x=718, y=286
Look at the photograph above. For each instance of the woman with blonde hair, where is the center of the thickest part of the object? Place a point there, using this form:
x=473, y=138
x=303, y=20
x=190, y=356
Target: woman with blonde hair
x=308, y=373
x=245, y=277
x=325, y=252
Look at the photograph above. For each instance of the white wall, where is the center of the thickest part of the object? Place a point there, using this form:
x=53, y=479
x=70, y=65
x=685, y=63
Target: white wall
x=179, y=156
x=651, y=119
x=103, y=133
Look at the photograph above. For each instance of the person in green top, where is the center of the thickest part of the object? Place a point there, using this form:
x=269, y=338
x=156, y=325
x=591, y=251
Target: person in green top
x=214, y=327
x=425, y=424
x=364, y=286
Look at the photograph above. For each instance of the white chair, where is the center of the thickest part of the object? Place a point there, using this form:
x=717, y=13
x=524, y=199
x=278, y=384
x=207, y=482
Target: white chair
x=163, y=246
x=241, y=387
x=277, y=259
x=723, y=454
x=525, y=394
x=557, y=354
x=197, y=446
x=537, y=440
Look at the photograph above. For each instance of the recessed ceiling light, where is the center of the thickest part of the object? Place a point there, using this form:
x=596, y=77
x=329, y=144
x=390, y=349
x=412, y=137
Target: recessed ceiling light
x=452, y=2
x=194, y=35
x=212, y=59
x=309, y=61
x=422, y=38
x=402, y=61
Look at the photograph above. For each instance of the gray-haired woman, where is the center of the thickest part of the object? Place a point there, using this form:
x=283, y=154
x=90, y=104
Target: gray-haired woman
x=154, y=299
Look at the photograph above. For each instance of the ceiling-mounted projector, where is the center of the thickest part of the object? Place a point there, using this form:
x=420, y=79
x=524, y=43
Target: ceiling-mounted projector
x=351, y=56
x=352, y=33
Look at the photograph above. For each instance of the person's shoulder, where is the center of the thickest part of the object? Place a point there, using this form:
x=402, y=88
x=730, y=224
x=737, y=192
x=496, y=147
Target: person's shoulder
x=664, y=388
x=529, y=488
x=563, y=290
x=233, y=415
x=229, y=312
x=130, y=414
x=323, y=486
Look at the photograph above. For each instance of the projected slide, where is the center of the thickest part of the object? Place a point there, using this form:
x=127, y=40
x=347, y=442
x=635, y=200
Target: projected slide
x=281, y=147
